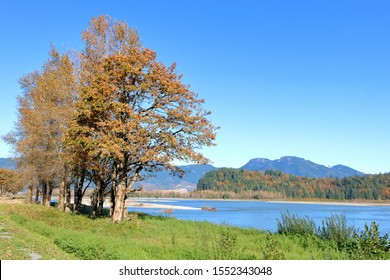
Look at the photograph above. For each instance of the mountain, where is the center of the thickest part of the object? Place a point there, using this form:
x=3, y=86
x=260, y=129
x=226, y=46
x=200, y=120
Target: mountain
x=346, y=171
x=7, y=163
x=300, y=167
x=164, y=181
x=290, y=165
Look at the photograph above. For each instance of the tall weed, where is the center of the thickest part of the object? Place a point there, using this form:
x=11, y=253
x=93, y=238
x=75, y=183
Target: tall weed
x=272, y=249
x=227, y=242
x=335, y=229
x=293, y=224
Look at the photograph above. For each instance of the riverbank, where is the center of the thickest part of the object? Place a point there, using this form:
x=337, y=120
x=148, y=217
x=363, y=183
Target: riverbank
x=347, y=203
x=136, y=204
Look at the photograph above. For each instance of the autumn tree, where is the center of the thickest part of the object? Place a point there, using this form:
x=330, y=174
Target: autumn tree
x=45, y=109
x=9, y=182
x=134, y=111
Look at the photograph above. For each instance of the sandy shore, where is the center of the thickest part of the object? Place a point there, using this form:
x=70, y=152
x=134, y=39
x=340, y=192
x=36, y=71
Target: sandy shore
x=137, y=204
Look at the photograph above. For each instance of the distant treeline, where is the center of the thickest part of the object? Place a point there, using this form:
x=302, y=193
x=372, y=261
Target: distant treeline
x=275, y=184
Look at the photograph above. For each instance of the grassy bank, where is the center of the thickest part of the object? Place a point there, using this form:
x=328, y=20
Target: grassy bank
x=33, y=231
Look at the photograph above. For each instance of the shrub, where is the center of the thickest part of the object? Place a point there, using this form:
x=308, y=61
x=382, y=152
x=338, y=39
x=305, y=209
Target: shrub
x=292, y=224
x=335, y=229
x=227, y=242
x=369, y=245
x=272, y=249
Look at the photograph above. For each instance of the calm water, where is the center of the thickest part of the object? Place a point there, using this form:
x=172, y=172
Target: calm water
x=264, y=215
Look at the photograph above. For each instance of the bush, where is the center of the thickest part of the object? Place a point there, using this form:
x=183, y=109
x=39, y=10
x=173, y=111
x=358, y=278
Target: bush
x=272, y=249
x=335, y=229
x=368, y=245
x=227, y=241
x=292, y=224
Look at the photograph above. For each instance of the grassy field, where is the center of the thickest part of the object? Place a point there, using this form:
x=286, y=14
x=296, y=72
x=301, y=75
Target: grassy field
x=37, y=232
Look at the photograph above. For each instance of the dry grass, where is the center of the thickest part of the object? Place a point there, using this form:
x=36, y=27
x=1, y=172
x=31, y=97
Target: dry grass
x=10, y=200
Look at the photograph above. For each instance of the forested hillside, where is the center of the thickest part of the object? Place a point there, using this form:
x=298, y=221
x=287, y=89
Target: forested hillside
x=275, y=184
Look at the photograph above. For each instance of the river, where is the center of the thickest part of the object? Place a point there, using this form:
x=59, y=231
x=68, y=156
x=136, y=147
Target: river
x=263, y=215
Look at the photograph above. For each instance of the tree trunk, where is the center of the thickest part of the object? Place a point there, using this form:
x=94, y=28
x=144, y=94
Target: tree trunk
x=68, y=196
x=117, y=216
x=101, y=199
x=94, y=204
x=49, y=191
x=30, y=192
x=112, y=198
x=94, y=200
x=120, y=197
x=44, y=192
x=61, y=196
x=37, y=194
x=78, y=193
x=113, y=191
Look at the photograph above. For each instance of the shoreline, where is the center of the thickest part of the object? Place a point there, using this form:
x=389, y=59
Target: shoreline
x=163, y=206
x=333, y=203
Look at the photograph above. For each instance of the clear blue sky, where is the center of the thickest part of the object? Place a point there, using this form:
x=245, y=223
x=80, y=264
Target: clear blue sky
x=282, y=78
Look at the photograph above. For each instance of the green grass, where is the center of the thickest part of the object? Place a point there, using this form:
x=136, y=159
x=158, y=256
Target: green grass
x=57, y=235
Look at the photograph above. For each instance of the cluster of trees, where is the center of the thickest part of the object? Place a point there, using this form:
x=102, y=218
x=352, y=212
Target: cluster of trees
x=275, y=184
x=110, y=114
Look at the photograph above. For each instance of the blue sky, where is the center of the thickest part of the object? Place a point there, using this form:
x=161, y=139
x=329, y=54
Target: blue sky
x=282, y=78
